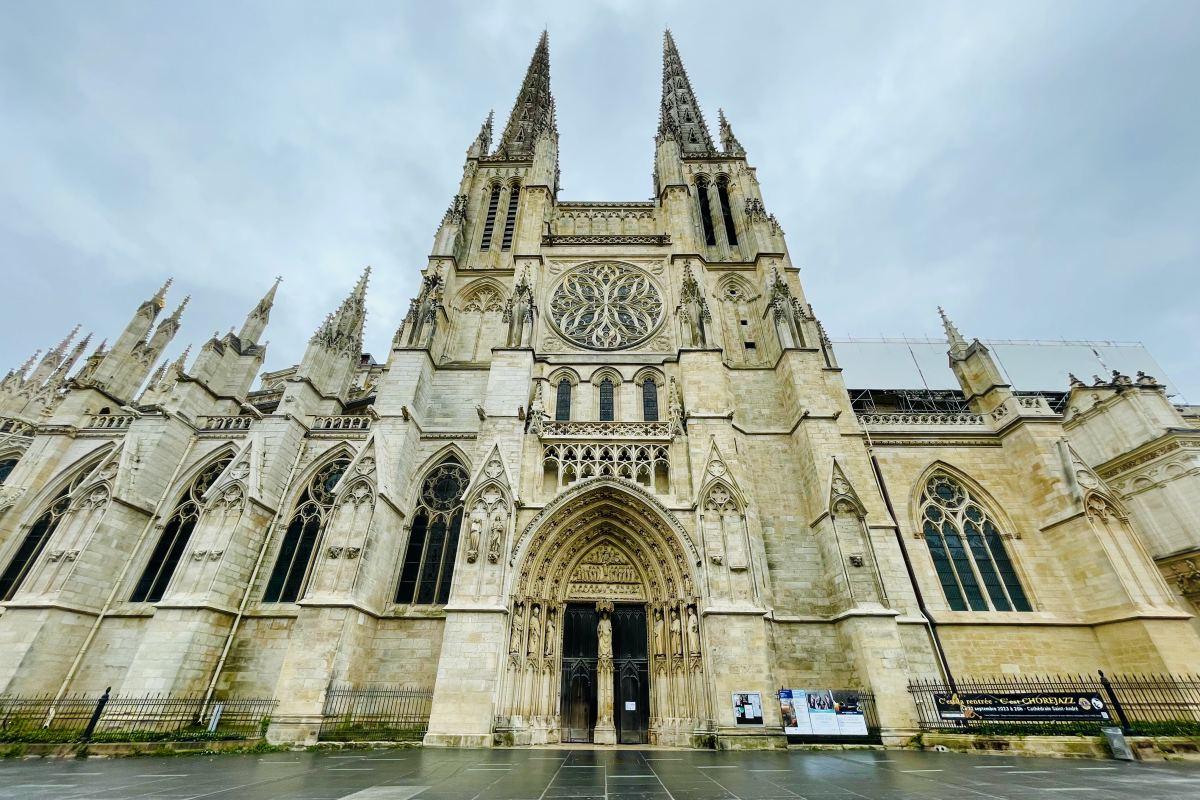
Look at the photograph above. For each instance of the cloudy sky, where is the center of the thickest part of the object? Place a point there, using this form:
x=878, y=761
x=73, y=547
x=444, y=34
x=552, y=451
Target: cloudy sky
x=1033, y=167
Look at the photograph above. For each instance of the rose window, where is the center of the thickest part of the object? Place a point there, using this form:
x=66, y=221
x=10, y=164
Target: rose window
x=606, y=305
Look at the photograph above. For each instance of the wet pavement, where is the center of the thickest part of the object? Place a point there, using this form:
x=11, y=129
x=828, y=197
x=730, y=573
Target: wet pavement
x=624, y=774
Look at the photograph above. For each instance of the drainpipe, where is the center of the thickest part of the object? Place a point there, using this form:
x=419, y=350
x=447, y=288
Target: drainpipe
x=120, y=581
x=930, y=625
x=241, y=612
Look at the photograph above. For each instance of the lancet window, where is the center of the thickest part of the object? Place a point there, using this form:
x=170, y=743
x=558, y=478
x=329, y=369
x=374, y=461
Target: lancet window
x=489, y=221
x=649, y=400
x=428, y=569
x=6, y=467
x=710, y=235
x=607, y=409
x=510, y=221
x=293, y=564
x=967, y=548
x=726, y=212
x=562, y=402
x=35, y=539
x=175, y=535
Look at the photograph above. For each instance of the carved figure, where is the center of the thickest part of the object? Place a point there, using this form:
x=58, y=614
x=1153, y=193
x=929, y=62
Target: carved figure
x=514, y=645
x=535, y=632
x=550, y=631
x=494, y=540
x=473, y=540
x=693, y=632
x=676, y=633
x=604, y=636
x=659, y=633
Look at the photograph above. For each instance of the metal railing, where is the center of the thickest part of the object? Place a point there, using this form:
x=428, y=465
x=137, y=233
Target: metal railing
x=375, y=714
x=82, y=718
x=1167, y=705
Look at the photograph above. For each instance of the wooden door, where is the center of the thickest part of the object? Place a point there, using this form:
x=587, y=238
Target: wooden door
x=578, y=707
x=631, y=675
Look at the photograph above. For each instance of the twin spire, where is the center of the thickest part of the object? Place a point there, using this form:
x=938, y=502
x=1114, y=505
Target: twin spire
x=533, y=112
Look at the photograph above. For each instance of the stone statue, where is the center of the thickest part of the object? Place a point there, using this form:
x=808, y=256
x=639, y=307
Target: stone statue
x=549, y=651
x=693, y=632
x=514, y=645
x=494, y=540
x=604, y=636
x=659, y=633
x=676, y=633
x=535, y=632
x=473, y=540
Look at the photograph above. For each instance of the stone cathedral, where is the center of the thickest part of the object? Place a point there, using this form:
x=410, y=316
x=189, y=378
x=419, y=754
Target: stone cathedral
x=607, y=476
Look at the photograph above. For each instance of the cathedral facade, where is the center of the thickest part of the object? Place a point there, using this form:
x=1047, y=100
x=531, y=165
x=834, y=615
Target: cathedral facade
x=608, y=478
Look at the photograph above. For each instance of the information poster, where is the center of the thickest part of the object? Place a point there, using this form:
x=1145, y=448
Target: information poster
x=747, y=708
x=821, y=712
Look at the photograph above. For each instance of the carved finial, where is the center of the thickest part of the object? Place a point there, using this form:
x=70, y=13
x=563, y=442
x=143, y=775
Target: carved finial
x=958, y=345
x=160, y=297
x=729, y=142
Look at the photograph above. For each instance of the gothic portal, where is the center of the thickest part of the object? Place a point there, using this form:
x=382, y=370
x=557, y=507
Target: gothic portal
x=606, y=477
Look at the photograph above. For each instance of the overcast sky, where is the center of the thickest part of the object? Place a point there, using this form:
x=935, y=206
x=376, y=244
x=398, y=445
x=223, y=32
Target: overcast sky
x=1033, y=167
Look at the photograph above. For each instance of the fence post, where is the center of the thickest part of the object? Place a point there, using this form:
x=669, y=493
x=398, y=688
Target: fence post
x=1116, y=704
x=100, y=704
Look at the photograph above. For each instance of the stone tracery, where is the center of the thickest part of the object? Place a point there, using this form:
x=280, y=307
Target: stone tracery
x=606, y=305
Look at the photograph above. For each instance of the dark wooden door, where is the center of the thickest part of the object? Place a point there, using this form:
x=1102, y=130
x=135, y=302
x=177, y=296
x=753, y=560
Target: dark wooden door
x=578, y=711
x=631, y=675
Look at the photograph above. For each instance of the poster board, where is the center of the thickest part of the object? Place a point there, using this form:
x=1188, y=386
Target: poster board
x=822, y=712
x=747, y=709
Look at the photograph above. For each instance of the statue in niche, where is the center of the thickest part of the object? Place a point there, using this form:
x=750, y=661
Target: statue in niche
x=693, y=311
x=693, y=632
x=550, y=630
x=494, y=540
x=604, y=636
x=473, y=540
x=659, y=633
x=676, y=633
x=514, y=645
x=535, y=632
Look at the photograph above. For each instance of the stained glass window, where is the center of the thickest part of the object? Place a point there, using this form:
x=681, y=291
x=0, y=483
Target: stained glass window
x=428, y=569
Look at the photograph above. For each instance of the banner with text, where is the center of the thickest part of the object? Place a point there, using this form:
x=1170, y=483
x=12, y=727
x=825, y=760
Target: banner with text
x=1022, y=706
x=821, y=712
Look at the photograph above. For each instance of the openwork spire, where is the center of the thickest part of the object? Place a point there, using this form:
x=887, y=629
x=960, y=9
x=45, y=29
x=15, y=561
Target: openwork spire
x=729, y=142
x=680, y=115
x=958, y=345
x=533, y=112
x=342, y=330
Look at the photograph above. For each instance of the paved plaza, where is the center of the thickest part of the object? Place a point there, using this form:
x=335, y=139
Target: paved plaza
x=633, y=774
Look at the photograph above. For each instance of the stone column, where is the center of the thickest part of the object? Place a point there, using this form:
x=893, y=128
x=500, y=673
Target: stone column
x=606, y=731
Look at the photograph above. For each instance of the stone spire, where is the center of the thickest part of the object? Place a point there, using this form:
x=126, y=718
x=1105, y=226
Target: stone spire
x=958, y=345
x=680, y=115
x=166, y=330
x=259, y=316
x=343, y=329
x=533, y=111
x=729, y=142
x=482, y=145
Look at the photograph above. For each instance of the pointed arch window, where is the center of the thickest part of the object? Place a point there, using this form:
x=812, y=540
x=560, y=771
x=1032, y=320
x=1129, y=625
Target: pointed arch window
x=292, y=565
x=726, y=212
x=164, y=559
x=6, y=467
x=607, y=410
x=968, y=551
x=710, y=235
x=35, y=540
x=510, y=220
x=428, y=569
x=489, y=221
x=562, y=401
x=649, y=400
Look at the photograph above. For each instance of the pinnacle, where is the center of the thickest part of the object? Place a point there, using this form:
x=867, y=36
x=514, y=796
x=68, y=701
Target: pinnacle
x=533, y=111
x=679, y=112
x=161, y=295
x=958, y=345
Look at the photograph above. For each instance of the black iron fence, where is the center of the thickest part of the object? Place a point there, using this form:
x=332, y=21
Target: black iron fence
x=1150, y=705
x=115, y=718
x=382, y=713
x=850, y=714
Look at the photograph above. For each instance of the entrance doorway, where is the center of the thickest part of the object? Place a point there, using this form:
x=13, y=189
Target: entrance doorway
x=630, y=674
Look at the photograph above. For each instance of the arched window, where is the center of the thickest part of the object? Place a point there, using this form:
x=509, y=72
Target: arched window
x=649, y=400
x=606, y=400
x=510, y=221
x=295, y=552
x=562, y=403
x=35, y=539
x=967, y=549
x=726, y=212
x=710, y=235
x=489, y=221
x=428, y=568
x=6, y=468
x=178, y=530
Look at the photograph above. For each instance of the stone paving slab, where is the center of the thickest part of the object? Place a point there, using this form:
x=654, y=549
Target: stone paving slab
x=623, y=774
